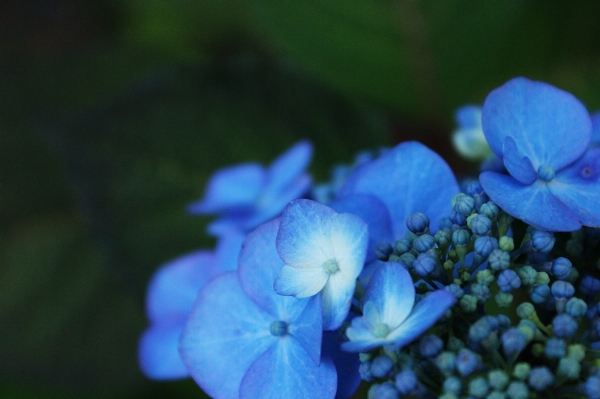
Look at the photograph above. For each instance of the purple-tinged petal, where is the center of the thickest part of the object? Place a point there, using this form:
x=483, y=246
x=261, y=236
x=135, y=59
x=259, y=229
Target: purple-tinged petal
x=423, y=316
x=518, y=166
x=175, y=286
x=259, y=266
x=300, y=283
x=407, y=179
x=392, y=291
x=303, y=239
x=232, y=188
x=541, y=119
x=534, y=204
x=289, y=166
x=346, y=365
x=307, y=328
x=286, y=371
x=578, y=187
x=336, y=299
x=158, y=352
x=595, y=140
x=225, y=333
x=370, y=209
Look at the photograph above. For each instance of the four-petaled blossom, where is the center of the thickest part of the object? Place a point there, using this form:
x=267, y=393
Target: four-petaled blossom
x=248, y=195
x=324, y=252
x=389, y=315
x=543, y=135
x=242, y=340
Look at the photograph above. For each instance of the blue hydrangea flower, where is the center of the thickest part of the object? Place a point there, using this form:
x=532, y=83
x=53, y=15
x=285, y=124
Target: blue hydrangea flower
x=468, y=139
x=171, y=294
x=242, y=340
x=389, y=315
x=247, y=195
x=542, y=134
x=324, y=252
x=408, y=178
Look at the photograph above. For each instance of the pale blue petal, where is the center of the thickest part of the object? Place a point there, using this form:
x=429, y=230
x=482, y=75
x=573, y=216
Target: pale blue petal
x=392, y=291
x=360, y=329
x=289, y=166
x=518, y=166
x=304, y=234
x=349, y=240
x=549, y=125
x=174, y=287
x=407, y=179
x=534, y=204
x=346, y=365
x=307, y=328
x=578, y=187
x=371, y=313
x=225, y=333
x=259, y=266
x=371, y=210
x=368, y=270
x=423, y=316
x=336, y=299
x=231, y=188
x=300, y=283
x=595, y=140
x=286, y=371
x=158, y=352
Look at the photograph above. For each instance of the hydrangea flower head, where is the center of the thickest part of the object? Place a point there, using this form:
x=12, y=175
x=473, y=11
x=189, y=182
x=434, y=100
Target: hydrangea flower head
x=242, y=340
x=324, y=252
x=542, y=134
x=389, y=315
x=171, y=295
x=248, y=195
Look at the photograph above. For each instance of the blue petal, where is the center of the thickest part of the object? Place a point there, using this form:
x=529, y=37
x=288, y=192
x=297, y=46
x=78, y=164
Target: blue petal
x=307, y=328
x=174, y=287
x=259, y=266
x=408, y=178
x=468, y=117
x=231, y=188
x=288, y=167
x=336, y=299
x=346, y=365
x=349, y=238
x=300, y=282
x=361, y=338
x=595, y=140
x=549, y=125
x=534, y=204
x=519, y=167
x=392, y=291
x=158, y=352
x=228, y=250
x=578, y=187
x=423, y=316
x=225, y=333
x=373, y=212
x=286, y=371
x=303, y=240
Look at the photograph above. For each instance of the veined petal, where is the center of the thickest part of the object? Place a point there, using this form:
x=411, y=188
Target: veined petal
x=336, y=299
x=423, y=316
x=300, y=283
x=259, y=267
x=518, y=166
x=303, y=239
x=158, y=352
x=578, y=187
x=286, y=371
x=392, y=291
x=534, y=204
x=349, y=240
x=408, y=178
x=542, y=120
x=372, y=211
x=225, y=333
x=231, y=188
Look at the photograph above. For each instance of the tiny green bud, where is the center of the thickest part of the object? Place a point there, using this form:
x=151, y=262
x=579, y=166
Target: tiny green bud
x=468, y=303
x=537, y=349
x=506, y=243
x=542, y=278
x=448, y=265
x=485, y=277
x=526, y=310
x=576, y=351
x=521, y=371
x=503, y=299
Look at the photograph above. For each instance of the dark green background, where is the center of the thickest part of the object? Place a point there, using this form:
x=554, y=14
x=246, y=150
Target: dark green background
x=113, y=114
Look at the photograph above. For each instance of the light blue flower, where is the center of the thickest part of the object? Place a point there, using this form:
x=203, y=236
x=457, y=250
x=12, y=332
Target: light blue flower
x=171, y=295
x=324, y=252
x=389, y=315
x=468, y=138
x=542, y=134
x=247, y=195
x=244, y=341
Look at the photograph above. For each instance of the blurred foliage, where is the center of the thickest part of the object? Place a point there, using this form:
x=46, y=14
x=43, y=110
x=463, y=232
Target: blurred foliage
x=114, y=115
